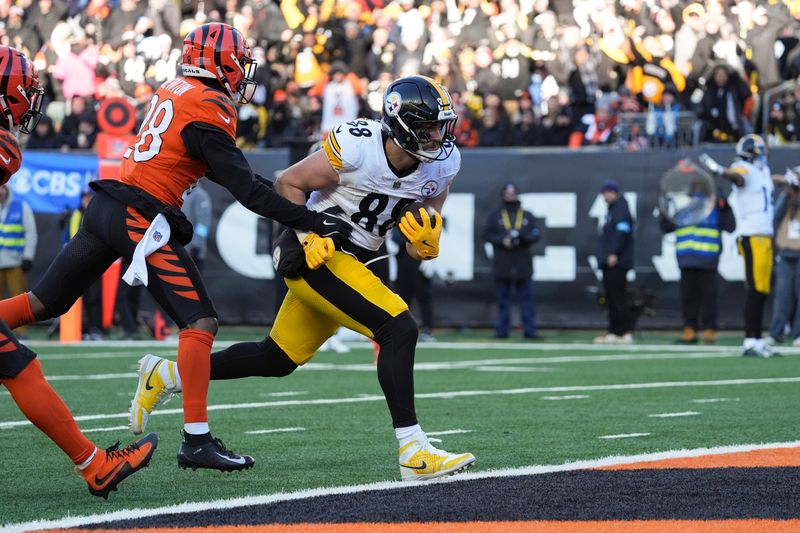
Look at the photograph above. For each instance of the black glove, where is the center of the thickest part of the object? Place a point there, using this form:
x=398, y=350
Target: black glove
x=27, y=265
x=328, y=225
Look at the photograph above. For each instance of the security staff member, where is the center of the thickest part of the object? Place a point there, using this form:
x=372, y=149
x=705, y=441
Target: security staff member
x=698, y=248
x=615, y=256
x=18, y=239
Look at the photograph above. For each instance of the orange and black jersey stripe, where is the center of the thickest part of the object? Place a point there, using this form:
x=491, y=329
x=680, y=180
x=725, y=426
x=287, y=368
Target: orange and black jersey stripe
x=10, y=155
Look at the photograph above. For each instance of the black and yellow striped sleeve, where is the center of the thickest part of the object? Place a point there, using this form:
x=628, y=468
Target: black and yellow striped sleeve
x=333, y=151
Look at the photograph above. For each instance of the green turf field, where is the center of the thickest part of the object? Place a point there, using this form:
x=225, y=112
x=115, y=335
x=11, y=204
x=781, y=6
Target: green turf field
x=510, y=404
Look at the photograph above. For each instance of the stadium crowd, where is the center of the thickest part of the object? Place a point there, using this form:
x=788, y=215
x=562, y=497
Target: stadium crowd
x=522, y=72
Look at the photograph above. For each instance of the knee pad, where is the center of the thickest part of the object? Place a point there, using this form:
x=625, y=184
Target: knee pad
x=402, y=327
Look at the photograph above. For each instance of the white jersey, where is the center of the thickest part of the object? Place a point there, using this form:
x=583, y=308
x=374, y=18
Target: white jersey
x=369, y=193
x=753, y=199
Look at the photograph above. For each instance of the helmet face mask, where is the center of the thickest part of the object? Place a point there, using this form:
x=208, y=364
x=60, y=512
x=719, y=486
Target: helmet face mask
x=218, y=51
x=21, y=98
x=418, y=115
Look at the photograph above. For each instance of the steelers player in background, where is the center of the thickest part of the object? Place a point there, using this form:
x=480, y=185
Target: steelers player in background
x=189, y=132
x=754, y=184
x=367, y=172
x=20, y=370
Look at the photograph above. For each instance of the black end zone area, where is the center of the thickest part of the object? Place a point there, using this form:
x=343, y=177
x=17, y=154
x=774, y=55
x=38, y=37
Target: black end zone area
x=689, y=494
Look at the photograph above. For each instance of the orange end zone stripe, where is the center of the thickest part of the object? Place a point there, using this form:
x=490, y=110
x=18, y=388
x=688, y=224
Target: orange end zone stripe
x=774, y=457
x=539, y=526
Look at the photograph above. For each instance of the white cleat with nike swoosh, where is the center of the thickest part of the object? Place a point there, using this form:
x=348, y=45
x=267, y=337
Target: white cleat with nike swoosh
x=420, y=460
x=158, y=377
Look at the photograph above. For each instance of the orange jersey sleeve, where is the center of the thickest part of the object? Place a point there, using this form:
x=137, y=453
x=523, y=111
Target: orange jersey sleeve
x=10, y=155
x=158, y=162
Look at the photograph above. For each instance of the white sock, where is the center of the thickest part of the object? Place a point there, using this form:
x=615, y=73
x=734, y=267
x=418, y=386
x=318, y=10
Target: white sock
x=196, y=428
x=750, y=342
x=406, y=434
x=84, y=464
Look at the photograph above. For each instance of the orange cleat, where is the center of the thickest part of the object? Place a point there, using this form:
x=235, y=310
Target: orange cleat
x=111, y=466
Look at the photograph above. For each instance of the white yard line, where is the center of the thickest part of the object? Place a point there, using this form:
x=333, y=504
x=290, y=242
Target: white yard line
x=276, y=430
x=247, y=501
x=625, y=436
x=287, y=393
x=449, y=432
x=448, y=395
x=674, y=415
x=567, y=397
x=500, y=368
x=99, y=430
x=714, y=400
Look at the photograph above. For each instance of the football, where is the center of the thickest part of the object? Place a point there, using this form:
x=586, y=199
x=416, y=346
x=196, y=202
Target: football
x=414, y=208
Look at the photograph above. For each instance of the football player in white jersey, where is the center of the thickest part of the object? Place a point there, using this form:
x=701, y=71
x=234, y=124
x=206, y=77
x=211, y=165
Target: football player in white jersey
x=366, y=173
x=752, y=193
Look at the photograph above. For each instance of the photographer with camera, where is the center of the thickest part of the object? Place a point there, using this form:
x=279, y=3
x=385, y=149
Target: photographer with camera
x=615, y=258
x=512, y=231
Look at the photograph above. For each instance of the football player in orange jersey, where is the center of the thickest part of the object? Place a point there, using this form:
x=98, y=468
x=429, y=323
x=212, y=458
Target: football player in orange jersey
x=188, y=132
x=20, y=371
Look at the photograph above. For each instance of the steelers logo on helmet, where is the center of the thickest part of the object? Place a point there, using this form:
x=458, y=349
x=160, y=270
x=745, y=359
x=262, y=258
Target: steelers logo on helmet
x=392, y=103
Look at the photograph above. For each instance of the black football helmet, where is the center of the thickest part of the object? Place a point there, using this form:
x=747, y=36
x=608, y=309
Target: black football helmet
x=412, y=107
x=751, y=147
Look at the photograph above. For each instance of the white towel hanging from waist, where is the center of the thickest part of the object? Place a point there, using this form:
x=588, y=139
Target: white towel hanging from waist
x=156, y=236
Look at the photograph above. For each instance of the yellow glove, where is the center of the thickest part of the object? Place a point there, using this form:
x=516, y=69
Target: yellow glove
x=425, y=237
x=318, y=250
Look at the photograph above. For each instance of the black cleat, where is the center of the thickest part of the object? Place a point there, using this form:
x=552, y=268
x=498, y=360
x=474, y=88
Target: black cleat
x=212, y=454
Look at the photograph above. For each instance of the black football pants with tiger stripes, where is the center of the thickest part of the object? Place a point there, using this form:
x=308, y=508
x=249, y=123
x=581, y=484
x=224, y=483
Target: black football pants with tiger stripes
x=110, y=230
x=343, y=292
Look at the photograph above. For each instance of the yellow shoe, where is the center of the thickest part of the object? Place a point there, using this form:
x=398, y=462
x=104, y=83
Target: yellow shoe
x=157, y=378
x=420, y=460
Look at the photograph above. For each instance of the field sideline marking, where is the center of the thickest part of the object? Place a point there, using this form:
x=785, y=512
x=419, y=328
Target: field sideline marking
x=714, y=400
x=142, y=347
x=674, y=415
x=445, y=395
x=451, y=365
x=624, y=436
x=185, y=508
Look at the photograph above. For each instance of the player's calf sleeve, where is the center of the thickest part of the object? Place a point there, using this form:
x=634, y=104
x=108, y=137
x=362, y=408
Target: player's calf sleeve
x=245, y=359
x=46, y=410
x=398, y=340
x=194, y=362
x=753, y=312
x=16, y=311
